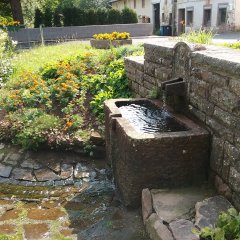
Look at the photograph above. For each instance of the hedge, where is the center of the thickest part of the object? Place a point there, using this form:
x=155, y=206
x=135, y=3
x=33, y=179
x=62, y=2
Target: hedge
x=73, y=16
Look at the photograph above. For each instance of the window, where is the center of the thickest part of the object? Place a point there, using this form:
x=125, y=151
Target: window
x=143, y=3
x=135, y=4
x=207, y=17
x=170, y=18
x=222, y=15
x=163, y=17
x=190, y=17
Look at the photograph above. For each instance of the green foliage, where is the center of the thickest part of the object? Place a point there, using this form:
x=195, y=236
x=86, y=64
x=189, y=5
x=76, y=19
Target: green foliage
x=38, y=18
x=129, y=16
x=113, y=84
x=235, y=45
x=48, y=17
x=227, y=228
x=201, y=37
x=57, y=18
x=114, y=16
x=31, y=125
x=6, y=52
x=50, y=103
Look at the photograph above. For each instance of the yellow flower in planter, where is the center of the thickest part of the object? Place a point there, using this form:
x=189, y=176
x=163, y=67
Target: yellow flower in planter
x=112, y=36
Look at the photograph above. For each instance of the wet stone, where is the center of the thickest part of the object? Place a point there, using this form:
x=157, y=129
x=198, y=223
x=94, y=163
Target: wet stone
x=29, y=163
x=66, y=171
x=7, y=229
x=207, y=211
x=1, y=156
x=45, y=175
x=45, y=214
x=22, y=174
x=10, y=215
x=56, y=167
x=182, y=229
x=36, y=231
x=5, y=170
x=12, y=158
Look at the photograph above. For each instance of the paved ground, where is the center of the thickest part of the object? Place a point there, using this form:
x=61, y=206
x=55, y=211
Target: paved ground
x=60, y=196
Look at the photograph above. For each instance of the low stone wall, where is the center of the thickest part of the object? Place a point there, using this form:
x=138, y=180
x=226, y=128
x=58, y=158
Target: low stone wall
x=79, y=32
x=213, y=97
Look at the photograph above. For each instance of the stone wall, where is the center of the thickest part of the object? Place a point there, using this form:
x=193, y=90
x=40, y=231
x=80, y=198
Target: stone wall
x=30, y=35
x=213, y=97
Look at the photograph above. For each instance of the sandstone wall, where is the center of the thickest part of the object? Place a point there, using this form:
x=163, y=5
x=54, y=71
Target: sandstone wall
x=213, y=96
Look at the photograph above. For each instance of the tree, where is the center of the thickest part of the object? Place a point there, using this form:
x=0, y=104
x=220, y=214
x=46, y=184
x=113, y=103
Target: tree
x=16, y=9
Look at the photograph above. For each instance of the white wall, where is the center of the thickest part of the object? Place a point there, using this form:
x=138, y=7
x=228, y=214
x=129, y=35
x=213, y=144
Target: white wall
x=198, y=12
x=146, y=11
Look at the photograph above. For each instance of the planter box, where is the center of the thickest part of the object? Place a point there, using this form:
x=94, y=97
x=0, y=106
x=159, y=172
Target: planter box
x=106, y=44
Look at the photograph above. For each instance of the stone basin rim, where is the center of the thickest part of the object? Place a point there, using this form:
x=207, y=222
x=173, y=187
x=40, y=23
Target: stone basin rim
x=193, y=128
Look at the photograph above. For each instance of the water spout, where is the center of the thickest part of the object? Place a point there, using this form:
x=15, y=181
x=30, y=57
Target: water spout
x=173, y=93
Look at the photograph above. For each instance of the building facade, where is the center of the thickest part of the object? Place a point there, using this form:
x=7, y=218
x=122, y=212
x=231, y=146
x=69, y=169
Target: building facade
x=186, y=15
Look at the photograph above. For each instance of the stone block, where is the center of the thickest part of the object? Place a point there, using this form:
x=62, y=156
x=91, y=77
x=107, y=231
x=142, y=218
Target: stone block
x=234, y=86
x=219, y=129
x=174, y=204
x=225, y=117
x=156, y=229
x=199, y=88
x=222, y=188
x=207, y=211
x=236, y=200
x=224, y=99
x=149, y=79
x=234, y=179
x=182, y=229
x=36, y=231
x=216, y=158
x=45, y=214
x=149, y=68
x=147, y=208
x=5, y=171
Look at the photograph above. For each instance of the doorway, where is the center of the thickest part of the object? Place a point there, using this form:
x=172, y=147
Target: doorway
x=156, y=8
x=181, y=21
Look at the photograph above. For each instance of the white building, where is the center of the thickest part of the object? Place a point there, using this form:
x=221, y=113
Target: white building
x=186, y=15
x=220, y=15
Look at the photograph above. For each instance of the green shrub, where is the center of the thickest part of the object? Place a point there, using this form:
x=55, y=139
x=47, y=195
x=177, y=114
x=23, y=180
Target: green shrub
x=31, y=126
x=114, y=16
x=102, y=16
x=48, y=17
x=38, y=20
x=57, y=18
x=91, y=17
x=129, y=16
x=227, y=227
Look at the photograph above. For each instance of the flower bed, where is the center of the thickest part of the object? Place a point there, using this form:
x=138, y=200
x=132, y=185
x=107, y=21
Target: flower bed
x=60, y=103
x=108, y=40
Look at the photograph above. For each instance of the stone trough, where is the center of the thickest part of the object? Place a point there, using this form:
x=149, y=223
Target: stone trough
x=157, y=159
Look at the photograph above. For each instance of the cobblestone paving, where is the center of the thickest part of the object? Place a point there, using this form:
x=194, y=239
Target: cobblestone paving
x=59, y=195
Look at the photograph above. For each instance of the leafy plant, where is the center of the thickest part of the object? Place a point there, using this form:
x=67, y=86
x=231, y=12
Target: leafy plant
x=31, y=125
x=201, y=37
x=129, y=16
x=235, y=45
x=227, y=227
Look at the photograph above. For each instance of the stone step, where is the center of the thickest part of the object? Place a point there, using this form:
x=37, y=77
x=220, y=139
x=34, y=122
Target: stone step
x=173, y=214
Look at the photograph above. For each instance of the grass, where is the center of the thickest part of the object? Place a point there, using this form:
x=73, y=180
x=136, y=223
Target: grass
x=235, y=45
x=35, y=58
x=200, y=37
